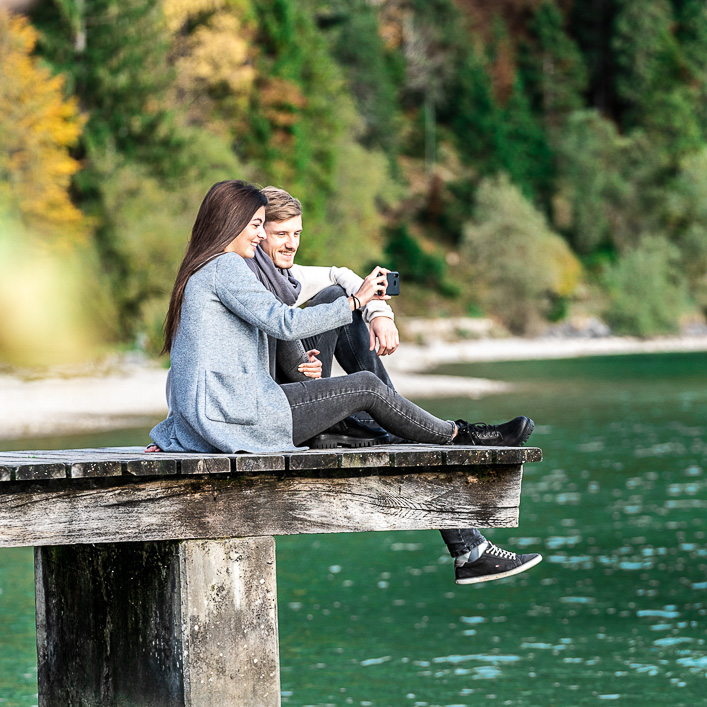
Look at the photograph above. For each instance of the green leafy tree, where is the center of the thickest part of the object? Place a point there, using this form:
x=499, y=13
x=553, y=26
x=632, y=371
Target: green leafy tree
x=611, y=187
x=522, y=267
x=692, y=36
x=687, y=219
x=645, y=289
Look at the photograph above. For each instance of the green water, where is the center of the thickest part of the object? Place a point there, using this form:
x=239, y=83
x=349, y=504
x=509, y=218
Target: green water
x=615, y=613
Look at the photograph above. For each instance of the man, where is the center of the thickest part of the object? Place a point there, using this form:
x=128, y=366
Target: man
x=357, y=347
x=354, y=346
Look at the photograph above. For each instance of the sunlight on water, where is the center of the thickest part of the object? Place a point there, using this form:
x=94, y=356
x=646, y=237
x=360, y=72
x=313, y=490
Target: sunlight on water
x=616, y=612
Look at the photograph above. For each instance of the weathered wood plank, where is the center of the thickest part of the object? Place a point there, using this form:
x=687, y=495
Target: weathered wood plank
x=416, y=455
x=41, y=471
x=255, y=463
x=205, y=465
x=325, y=459
x=113, y=461
x=123, y=509
x=364, y=458
x=92, y=469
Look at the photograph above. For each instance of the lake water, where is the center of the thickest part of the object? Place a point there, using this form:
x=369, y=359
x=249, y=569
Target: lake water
x=616, y=612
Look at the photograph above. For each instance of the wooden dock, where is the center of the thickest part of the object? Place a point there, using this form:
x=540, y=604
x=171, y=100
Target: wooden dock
x=155, y=573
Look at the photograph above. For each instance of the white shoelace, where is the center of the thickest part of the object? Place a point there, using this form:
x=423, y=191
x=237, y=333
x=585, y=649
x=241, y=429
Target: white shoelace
x=499, y=552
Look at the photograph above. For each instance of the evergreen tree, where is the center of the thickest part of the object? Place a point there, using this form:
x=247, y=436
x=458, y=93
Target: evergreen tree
x=692, y=36
x=473, y=114
x=106, y=47
x=651, y=82
x=552, y=66
x=523, y=152
x=300, y=108
x=592, y=24
x=368, y=67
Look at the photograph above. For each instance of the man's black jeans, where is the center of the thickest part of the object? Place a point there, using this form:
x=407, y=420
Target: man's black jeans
x=349, y=344
x=316, y=409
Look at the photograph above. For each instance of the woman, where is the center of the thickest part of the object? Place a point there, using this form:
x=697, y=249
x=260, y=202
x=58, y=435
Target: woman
x=222, y=396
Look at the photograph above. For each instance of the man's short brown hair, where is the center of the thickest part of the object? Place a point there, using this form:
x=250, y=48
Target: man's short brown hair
x=281, y=205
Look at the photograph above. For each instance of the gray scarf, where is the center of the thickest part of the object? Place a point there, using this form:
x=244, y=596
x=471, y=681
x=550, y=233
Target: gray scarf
x=279, y=282
x=286, y=289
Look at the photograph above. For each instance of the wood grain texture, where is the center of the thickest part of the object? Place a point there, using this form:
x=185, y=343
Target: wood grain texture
x=124, y=509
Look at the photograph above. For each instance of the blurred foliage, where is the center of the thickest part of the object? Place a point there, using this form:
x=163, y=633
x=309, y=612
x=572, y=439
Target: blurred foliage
x=415, y=264
x=645, y=291
x=37, y=128
x=52, y=313
x=522, y=267
x=687, y=213
x=480, y=149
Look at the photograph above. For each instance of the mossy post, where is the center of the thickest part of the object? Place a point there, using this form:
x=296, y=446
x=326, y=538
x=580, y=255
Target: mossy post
x=190, y=622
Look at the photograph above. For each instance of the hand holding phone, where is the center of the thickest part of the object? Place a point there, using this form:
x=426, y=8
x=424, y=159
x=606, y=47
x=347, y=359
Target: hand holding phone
x=393, y=284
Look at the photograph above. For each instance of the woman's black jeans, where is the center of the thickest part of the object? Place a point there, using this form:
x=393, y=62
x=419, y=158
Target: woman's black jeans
x=318, y=404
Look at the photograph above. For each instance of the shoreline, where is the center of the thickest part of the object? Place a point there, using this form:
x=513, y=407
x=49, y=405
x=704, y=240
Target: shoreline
x=131, y=393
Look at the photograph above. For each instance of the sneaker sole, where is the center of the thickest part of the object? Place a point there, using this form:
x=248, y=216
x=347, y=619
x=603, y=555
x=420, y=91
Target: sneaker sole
x=501, y=575
x=526, y=435
x=325, y=441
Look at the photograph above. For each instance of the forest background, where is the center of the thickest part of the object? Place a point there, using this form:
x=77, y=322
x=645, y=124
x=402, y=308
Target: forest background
x=528, y=160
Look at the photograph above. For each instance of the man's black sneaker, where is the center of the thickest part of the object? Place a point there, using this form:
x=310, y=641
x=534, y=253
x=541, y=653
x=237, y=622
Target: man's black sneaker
x=494, y=563
x=509, y=434
x=349, y=433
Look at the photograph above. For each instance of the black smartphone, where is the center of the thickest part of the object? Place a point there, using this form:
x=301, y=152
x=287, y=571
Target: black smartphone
x=393, y=284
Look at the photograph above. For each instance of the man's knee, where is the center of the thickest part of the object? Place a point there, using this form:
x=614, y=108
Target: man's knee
x=328, y=294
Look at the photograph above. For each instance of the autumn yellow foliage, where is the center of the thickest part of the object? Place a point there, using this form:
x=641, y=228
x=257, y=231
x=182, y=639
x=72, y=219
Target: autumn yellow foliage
x=213, y=59
x=38, y=125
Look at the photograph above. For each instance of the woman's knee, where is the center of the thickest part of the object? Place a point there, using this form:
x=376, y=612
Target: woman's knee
x=368, y=381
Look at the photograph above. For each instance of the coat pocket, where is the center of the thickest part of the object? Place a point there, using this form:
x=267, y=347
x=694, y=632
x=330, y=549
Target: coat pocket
x=231, y=398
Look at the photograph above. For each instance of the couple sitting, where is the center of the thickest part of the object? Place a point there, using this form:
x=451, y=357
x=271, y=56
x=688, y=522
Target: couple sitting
x=232, y=330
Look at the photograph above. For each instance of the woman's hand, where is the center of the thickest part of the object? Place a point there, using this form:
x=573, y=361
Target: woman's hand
x=313, y=369
x=373, y=284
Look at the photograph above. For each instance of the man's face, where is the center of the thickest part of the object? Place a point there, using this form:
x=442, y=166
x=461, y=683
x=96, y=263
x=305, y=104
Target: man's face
x=282, y=241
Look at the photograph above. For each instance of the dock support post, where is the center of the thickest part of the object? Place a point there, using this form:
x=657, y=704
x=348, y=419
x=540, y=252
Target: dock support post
x=181, y=623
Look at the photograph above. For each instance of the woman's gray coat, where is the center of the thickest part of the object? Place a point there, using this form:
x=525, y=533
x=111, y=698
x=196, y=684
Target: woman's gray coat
x=222, y=397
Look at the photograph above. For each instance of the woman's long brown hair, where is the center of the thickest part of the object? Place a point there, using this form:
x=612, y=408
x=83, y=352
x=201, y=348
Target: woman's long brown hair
x=225, y=211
